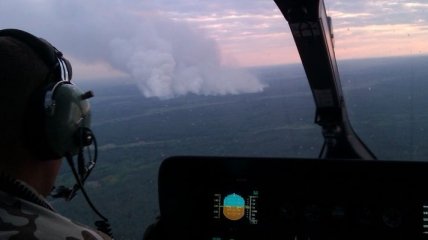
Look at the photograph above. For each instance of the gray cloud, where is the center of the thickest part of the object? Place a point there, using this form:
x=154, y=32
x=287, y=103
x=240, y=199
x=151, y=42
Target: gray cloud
x=379, y=12
x=255, y=31
x=166, y=58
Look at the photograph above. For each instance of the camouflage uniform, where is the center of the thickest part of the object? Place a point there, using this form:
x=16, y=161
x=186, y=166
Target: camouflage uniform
x=35, y=219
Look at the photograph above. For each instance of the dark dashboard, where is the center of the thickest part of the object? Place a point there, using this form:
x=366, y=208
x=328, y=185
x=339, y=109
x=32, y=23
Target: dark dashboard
x=220, y=198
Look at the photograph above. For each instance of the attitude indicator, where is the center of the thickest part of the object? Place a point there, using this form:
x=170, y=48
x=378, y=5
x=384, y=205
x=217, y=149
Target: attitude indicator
x=235, y=207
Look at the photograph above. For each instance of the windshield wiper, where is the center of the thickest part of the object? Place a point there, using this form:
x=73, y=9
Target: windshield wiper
x=313, y=35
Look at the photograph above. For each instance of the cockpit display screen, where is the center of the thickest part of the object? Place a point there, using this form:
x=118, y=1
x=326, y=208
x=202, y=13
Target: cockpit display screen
x=236, y=207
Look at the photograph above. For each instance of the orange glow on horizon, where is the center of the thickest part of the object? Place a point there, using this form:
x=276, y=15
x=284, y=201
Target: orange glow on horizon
x=353, y=42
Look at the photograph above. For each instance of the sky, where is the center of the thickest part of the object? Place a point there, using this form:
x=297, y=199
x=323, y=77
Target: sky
x=175, y=47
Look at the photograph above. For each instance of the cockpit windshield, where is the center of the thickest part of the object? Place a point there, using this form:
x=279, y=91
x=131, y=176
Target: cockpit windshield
x=224, y=78
x=382, y=59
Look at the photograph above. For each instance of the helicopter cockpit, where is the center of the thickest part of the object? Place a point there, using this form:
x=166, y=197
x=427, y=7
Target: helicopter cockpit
x=346, y=193
x=230, y=120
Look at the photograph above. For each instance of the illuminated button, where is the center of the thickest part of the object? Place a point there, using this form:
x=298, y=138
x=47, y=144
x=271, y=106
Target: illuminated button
x=234, y=207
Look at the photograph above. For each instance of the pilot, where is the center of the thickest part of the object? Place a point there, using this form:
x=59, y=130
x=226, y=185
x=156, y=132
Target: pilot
x=35, y=135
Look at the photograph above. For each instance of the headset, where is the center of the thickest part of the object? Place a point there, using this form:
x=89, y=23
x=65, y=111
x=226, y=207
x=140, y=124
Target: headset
x=58, y=117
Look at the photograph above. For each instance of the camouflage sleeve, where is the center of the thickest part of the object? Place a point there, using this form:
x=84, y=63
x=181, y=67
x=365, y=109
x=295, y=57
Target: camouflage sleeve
x=20, y=219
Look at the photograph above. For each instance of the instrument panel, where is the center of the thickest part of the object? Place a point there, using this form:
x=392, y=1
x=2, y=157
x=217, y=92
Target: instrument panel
x=223, y=198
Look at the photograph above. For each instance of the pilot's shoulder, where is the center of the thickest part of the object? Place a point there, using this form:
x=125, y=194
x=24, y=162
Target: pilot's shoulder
x=22, y=219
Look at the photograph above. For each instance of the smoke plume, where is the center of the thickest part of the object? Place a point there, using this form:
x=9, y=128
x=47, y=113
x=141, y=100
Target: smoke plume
x=166, y=58
x=169, y=59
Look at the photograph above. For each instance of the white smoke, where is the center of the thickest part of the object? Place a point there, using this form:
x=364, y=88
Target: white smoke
x=166, y=58
x=174, y=59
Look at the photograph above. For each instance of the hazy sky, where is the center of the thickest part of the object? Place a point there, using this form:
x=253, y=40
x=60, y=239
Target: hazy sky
x=172, y=41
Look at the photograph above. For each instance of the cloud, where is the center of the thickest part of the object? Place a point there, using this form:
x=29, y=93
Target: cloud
x=258, y=36
x=342, y=15
x=381, y=40
x=416, y=5
x=254, y=32
x=166, y=58
x=378, y=28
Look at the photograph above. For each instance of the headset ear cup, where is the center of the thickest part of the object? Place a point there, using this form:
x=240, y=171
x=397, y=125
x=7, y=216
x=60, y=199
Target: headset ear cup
x=65, y=115
x=55, y=112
